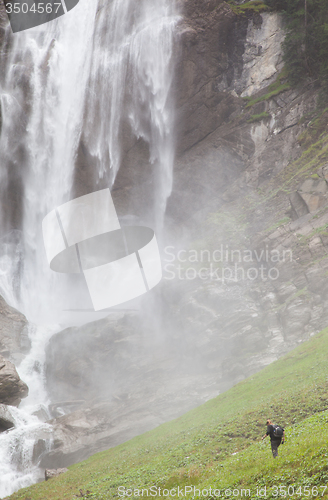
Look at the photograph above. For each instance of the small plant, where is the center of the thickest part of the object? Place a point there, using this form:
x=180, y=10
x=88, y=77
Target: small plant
x=248, y=7
x=280, y=85
x=281, y=222
x=314, y=130
x=261, y=116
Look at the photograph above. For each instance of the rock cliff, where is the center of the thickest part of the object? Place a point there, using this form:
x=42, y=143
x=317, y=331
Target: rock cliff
x=14, y=340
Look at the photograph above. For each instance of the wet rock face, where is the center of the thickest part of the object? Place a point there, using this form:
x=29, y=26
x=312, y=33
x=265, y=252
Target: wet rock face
x=262, y=57
x=84, y=432
x=310, y=197
x=14, y=341
x=6, y=420
x=12, y=388
x=212, y=43
x=130, y=359
x=73, y=374
x=3, y=23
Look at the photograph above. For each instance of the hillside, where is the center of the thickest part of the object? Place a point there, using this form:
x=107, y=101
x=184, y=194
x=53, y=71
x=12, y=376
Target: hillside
x=218, y=444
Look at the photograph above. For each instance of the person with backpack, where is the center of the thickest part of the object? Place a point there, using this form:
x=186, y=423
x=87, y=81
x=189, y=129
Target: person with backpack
x=277, y=436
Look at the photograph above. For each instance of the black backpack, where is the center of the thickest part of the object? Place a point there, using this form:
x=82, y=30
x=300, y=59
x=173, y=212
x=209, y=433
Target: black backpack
x=278, y=431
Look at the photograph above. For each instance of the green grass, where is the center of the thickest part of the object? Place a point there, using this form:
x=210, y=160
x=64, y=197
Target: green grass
x=254, y=6
x=299, y=293
x=286, y=181
x=218, y=444
x=304, y=239
x=280, y=85
x=277, y=224
x=315, y=129
x=259, y=117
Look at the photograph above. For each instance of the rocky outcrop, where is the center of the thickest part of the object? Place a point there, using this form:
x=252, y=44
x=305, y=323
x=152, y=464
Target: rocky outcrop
x=12, y=388
x=262, y=57
x=314, y=194
x=6, y=419
x=162, y=390
x=14, y=340
x=130, y=361
x=50, y=473
x=212, y=43
x=89, y=430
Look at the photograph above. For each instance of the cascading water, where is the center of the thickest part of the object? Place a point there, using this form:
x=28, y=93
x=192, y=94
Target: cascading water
x=85, y=73
x=131, y=77
x=18, y=463
x=55, y=61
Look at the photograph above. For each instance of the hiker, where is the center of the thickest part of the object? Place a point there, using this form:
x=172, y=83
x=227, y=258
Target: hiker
x=277, y=436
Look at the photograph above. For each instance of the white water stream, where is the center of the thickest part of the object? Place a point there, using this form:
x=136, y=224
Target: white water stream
x=104, y=62
x=132, y=73
x=17, y=467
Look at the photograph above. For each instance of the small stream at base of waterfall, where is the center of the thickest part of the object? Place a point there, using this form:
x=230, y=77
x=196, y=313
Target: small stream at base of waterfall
x=19, y=456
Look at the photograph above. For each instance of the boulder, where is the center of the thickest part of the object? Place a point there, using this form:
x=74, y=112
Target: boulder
x=84, y=432
x=50, y=473
x=14, y=341
x=12, y=388
x=6, y=419
x=298, y=205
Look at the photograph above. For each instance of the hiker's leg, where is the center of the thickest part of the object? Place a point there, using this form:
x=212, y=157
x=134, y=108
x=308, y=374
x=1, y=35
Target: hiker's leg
x=274, y=448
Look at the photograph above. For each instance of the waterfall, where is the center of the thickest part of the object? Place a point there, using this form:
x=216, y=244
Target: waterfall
x=89, y=73
x=42, y=123
x=131, y=76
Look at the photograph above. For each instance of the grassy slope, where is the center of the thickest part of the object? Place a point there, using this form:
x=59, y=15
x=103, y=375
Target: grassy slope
x=198, y=447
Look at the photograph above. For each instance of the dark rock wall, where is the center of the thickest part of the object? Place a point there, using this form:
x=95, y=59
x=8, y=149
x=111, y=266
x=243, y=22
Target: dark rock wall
x=212, y=42
x=14, y=344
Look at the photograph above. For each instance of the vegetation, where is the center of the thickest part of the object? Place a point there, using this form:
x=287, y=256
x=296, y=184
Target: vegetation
x=316, y=128
x=313, y=158
x=306, y=43
x=319, y=231
x=259, y=117
x=280, y=85
x=218, y=444
x=245, y=8
x=277, y=224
